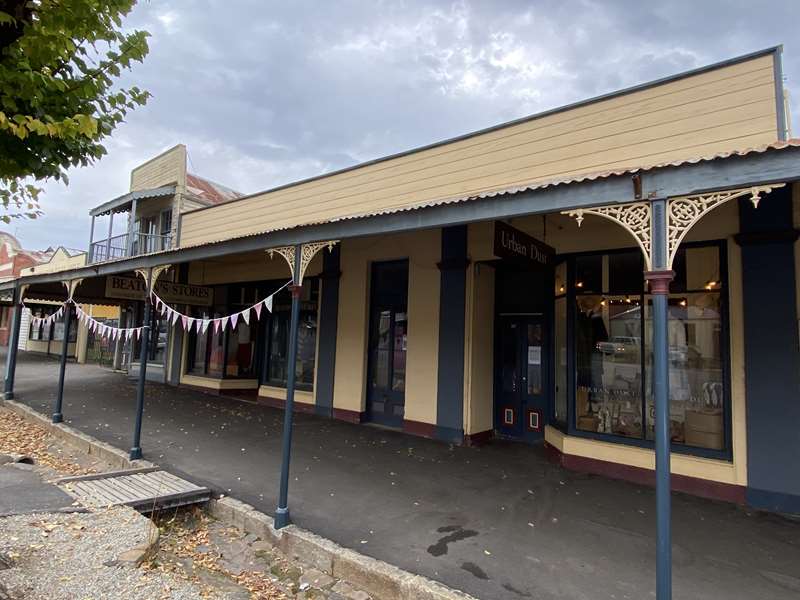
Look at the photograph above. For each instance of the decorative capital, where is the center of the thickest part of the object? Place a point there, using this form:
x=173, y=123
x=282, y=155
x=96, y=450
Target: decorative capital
x=659, y=281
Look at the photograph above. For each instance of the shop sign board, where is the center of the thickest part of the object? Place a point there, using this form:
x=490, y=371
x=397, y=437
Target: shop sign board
x=133, y=288
x=512, y=243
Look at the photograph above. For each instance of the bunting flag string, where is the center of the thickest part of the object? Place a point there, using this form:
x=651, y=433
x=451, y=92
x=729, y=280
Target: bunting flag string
x=218, y=324
x=107, y=331
x=94, y=326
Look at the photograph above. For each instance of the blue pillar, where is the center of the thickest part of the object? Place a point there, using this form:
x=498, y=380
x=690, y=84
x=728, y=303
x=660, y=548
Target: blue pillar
x=452, y=316
x=328, y=326
x=58, y=416
x=282, y=517
x=13, y=342
x=136, y=447
x=659, y=279
x=771, y=351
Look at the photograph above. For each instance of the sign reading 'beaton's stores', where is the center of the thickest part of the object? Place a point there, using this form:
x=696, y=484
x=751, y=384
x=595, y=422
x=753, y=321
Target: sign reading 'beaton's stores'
x=515, y=244
x=132, y=288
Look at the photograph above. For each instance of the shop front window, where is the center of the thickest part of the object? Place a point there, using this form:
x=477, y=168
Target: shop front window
x=613, y=348
x=609, y=365
x=206, y=348
x=277, y=363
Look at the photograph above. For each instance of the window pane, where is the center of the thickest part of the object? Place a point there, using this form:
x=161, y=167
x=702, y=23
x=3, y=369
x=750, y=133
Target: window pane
x=380, y=358
x=560, y=278
x=306, y=347
x=589, y=274
x=696, y=385
x=533, y=354
x=277, y=364
x=561, y=361
x=625, y=273
x=399, y=355
x=508, y=356
x=608, y=354
x=278, y=346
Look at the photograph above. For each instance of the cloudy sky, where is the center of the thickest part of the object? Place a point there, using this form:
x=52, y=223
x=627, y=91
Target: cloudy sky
x=264, y=93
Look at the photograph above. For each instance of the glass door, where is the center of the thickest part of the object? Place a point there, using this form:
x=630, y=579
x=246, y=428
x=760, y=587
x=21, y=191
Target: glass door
x=388, y=334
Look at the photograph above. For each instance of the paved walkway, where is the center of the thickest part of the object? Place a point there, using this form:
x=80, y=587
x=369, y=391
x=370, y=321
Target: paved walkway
x=499, y=522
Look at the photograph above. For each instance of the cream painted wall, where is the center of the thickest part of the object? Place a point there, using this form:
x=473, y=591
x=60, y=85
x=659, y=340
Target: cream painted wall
x=167, y=168
x=479, y=370
x=423, y=250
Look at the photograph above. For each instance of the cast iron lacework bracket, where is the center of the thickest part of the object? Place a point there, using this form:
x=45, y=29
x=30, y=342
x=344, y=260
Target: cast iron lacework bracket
x=682, y=214
x=307, y=253
x=155, y=273
x=71, y=285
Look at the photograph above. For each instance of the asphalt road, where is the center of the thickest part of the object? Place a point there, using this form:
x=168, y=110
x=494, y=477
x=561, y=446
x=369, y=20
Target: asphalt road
x=499, y=522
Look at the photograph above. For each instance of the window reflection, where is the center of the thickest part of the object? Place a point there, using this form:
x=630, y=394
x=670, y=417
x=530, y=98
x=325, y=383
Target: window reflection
x=695, y=370
x=609, y=369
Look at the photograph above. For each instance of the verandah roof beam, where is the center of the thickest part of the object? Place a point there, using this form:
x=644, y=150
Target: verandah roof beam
x=767, y=167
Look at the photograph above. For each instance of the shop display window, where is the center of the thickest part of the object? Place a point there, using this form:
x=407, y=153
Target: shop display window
x=613, y=348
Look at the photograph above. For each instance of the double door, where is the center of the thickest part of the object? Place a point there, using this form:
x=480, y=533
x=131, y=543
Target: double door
x=522, y=381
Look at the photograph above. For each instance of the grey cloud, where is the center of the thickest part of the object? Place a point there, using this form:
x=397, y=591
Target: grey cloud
x=268, y=92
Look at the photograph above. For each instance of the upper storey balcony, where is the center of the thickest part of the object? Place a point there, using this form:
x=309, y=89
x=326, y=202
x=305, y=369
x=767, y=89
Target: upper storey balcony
x=149, y=224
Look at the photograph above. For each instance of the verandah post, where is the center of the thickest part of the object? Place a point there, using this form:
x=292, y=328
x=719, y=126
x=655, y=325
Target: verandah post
x=136, y=448
x=282, y=512
x=659, y=279
x=58, y=416
x=13, y=343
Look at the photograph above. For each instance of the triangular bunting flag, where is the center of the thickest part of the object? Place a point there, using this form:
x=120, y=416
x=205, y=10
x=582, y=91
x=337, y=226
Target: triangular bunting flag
x=217, y=323
x=257, y=308
x=268, y=303
x=246, y=316
x=185, y=321
x=234, y=318
x=205, y=324
x=138, y=332
x=224, y=323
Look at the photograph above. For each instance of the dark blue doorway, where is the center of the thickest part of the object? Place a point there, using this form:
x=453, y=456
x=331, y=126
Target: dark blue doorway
x=522, y=396
x=388, y=330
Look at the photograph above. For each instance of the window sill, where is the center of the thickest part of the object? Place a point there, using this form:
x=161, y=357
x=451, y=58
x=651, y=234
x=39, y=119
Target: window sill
x=713, y=469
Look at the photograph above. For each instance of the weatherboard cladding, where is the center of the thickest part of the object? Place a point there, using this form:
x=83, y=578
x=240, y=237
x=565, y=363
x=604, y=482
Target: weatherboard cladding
x=732, y=107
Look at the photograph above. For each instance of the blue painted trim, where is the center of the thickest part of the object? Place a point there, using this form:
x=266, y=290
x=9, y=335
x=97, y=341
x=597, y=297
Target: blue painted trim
x=452, y=315
x=546, y=113
x=773, y=501
x=449, y=434
x=327, y=331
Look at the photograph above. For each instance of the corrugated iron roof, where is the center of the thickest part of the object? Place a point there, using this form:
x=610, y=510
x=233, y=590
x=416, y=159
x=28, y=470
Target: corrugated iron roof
x=537, y=185
x=210, y=191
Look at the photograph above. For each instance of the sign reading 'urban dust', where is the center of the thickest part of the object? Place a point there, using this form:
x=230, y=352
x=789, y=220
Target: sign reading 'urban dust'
x=518, y=245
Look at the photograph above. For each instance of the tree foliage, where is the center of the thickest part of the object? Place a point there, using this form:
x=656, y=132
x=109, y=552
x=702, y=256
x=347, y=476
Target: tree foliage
x=59, y=63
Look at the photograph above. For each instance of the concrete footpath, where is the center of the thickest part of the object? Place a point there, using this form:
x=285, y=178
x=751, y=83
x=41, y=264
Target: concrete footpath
x=498, y=522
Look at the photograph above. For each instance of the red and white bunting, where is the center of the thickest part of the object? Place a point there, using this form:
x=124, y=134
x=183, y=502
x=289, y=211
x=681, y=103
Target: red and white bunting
x=217, y=324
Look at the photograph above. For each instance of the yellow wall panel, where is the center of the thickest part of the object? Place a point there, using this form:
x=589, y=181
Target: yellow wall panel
x=423, y=251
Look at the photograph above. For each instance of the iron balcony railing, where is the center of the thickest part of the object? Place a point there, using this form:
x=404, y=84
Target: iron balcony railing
x=118, y=246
